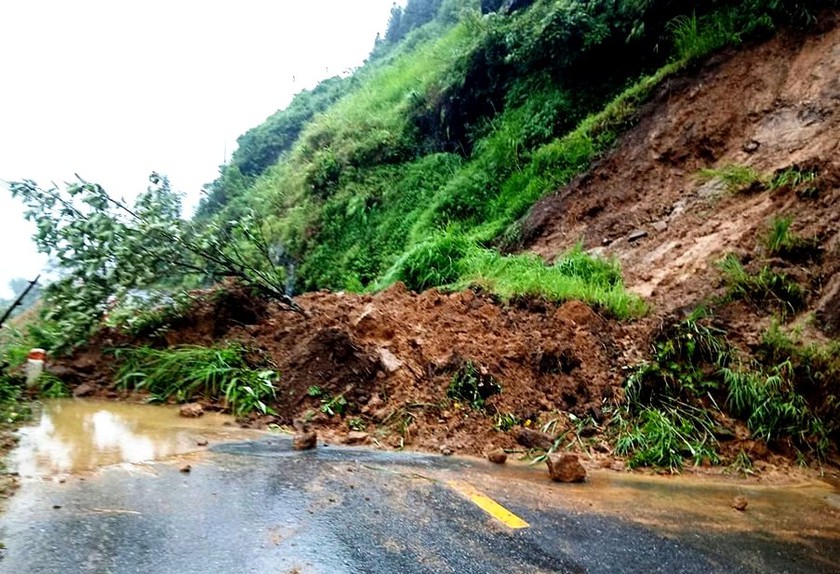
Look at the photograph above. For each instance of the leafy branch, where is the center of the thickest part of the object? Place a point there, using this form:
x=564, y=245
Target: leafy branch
x=106, y=249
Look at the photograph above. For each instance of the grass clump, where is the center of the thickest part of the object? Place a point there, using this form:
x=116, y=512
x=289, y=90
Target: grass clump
x=472, y=386
x=676, y=402
x=735, y=178
x=190, y=373
x=780, y=241
x=796, y=178
x=436, y=262
x=575, y=276
x=765, y=286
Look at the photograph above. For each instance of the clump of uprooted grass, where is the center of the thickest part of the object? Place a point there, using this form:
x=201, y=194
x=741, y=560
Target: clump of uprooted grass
x=188, y=373
x=454, y=261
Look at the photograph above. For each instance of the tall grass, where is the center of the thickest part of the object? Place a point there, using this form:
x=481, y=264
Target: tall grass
x=190, y=373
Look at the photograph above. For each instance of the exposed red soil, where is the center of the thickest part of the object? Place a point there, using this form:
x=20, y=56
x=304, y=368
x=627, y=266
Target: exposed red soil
x=769, y=107
x=393, y=356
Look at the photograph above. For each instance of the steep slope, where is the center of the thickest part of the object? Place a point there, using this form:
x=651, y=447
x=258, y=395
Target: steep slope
x=770, y=108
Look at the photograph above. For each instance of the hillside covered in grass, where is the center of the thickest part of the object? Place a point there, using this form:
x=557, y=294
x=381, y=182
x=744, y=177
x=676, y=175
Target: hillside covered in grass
x=420, y=166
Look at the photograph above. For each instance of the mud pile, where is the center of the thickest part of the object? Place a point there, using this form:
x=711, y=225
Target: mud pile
x=393, y=357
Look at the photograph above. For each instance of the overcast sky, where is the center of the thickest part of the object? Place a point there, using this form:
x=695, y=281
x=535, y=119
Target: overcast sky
x=115, y=90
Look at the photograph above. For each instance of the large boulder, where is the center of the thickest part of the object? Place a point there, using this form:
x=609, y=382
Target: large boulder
x=565, y=468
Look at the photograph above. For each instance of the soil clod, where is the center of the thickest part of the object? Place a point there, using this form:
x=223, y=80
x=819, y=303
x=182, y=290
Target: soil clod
x=305, y=440
x=497, y=456
x=191, y=410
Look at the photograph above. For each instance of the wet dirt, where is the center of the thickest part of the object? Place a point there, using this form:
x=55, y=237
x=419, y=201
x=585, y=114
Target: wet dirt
x=73, y=435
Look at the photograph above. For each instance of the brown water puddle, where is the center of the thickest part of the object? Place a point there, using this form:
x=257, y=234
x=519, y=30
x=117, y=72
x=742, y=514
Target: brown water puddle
x=75, y=435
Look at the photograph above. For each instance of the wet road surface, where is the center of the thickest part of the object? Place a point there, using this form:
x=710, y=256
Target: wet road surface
x=258, y=506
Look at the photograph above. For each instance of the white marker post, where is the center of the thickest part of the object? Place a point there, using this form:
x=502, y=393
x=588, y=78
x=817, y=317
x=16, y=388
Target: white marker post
x=34, y=366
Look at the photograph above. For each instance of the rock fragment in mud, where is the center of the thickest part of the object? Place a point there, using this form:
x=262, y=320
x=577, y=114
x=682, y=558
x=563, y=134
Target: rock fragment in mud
x=305, y=440
x=191, y=410
x=497, y=456
x=389, y=361
x=356, y=437
x=445, y=451
x=186, y=468
x=565, y=468
x=530, y=438
x=740, y=503
x=636, y=235
x=83, y=390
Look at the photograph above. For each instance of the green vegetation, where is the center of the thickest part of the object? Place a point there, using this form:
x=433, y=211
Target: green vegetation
x=52, y=387
x=675, y=403
x=782, y=242
x=191, y=373
x=452, y=260
x=795, y=178
x=459, y=123
x=736, y=178
x=764, y=287
x=472, y=386
x=334, y=406
x=506, y=421
x=111, y=253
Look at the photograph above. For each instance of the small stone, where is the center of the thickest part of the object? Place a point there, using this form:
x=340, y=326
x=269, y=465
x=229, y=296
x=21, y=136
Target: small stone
x=202, y=442
x=389, y=361
x=618, y=466
x=356, y=437
x=497, y=456
x=660, y=226
x=531, y=438
x=565, y=468
x=751, y=146
x=445, y=451
x=305, y=441
x=191, y=410
x=83, y=390
x=636, y=235
x=186, y=468
x=740, y=503
x=380, y=415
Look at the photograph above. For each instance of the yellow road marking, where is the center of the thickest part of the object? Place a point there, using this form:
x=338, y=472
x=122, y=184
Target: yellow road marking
x=487, y=504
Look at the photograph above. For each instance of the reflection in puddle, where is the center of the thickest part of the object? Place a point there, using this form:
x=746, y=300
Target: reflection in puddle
x=74, y=435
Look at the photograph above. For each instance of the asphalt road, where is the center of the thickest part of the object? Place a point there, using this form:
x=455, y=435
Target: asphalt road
x=260, y=507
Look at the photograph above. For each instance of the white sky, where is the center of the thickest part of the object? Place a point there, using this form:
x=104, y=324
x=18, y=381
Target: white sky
x=113, y=90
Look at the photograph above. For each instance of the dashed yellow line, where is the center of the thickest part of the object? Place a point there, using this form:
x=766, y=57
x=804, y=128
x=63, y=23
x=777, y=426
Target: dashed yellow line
x=487, y=504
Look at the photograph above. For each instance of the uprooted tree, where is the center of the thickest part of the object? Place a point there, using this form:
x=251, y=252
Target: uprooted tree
x=106, y=250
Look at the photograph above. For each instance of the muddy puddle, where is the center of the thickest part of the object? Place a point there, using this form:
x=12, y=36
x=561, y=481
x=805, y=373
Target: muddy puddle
x=74, y=435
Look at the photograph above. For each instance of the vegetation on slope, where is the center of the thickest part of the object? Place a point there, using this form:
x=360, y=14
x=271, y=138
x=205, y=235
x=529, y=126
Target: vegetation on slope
x=468, y=121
